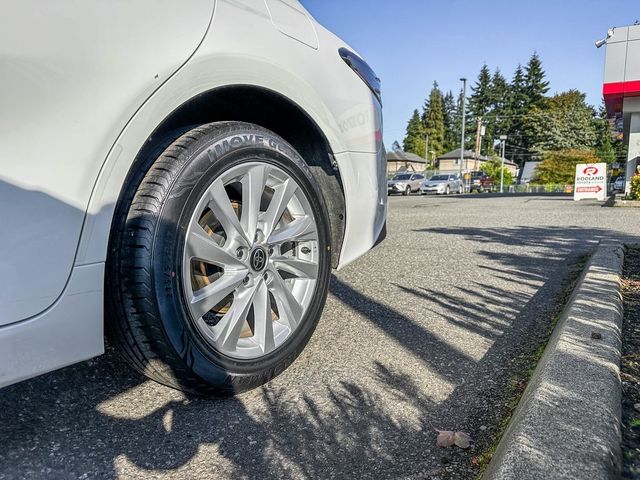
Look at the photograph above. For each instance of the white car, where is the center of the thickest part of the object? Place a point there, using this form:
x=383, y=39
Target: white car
x=185, y=175
x=442, y=185
x=404, y=183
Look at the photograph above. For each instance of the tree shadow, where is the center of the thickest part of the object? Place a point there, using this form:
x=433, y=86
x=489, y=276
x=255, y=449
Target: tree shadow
x=100, y=420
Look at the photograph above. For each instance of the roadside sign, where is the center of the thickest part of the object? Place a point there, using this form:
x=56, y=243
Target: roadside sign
x=591, y=181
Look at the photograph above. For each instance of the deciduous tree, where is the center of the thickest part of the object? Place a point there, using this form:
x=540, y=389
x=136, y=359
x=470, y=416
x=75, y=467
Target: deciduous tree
x=560, y=166
x=493, y=168
x=562, y=122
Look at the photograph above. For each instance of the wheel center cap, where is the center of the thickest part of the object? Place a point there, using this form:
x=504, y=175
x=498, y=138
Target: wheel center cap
x=258, y=259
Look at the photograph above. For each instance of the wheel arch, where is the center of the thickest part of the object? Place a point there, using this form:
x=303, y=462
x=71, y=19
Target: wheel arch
x=263, y=107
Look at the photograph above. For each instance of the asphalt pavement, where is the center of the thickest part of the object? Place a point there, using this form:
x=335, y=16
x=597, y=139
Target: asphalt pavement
x=421, y=333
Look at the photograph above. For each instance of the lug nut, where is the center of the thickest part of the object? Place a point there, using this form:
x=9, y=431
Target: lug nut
x=246, y=280
x=270, y=250
x=239, y=252
x=305, y=250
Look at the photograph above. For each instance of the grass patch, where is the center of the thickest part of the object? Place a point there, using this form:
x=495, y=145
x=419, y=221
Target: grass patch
x=527, y=363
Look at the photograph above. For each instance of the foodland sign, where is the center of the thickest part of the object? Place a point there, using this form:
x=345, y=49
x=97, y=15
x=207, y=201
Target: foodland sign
x=591, y=181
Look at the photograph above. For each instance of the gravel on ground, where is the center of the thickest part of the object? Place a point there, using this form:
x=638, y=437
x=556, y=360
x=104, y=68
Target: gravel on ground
x=630, y=365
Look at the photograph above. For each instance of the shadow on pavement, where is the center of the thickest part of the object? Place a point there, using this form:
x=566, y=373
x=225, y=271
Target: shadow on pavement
x=67, y=424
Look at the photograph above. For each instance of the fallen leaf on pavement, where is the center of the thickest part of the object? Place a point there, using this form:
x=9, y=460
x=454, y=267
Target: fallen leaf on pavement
x=462, y=440
x=447, y=438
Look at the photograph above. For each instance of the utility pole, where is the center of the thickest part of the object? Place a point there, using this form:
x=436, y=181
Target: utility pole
x=503, y=141
x=464, y=97
x=426, y=149
x=479, y=136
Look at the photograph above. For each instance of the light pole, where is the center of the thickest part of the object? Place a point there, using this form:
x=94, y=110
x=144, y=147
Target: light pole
x=464, y=98
x=503, y=141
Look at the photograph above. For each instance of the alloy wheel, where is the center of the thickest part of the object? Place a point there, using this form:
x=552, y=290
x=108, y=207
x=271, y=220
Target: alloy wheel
x=251, y=260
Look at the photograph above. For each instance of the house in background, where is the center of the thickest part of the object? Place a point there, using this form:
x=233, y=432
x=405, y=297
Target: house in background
x=399, y=161
x=450, y=162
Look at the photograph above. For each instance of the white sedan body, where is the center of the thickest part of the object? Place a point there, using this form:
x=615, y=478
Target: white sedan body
x=83, y=87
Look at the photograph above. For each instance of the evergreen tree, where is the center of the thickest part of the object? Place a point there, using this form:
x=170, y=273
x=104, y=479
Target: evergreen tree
x=536, y=86
x=433, y=119
x=500, y=104
x=517, y=146
x=604, y=142
x=497, y=118
x=451, y=135
x=480, y=100
x=609, y=147
x=414, y=140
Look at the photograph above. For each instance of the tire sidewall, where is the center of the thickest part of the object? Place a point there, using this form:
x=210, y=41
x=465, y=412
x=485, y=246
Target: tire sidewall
x=204, y=161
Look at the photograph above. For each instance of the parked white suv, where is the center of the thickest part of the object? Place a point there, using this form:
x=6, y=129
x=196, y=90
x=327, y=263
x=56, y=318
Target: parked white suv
x=404, y=183
x=193, y=175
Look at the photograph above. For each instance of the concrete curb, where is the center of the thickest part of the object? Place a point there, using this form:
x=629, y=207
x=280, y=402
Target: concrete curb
x=616, y=200
x=567, y=424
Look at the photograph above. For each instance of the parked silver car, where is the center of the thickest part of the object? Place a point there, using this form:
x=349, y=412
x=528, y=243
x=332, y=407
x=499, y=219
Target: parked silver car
x=442, y=184
x=405, y=183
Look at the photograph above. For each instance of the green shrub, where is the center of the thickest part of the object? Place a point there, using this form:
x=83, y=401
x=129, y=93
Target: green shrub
x=492, y=168
x=634, y=191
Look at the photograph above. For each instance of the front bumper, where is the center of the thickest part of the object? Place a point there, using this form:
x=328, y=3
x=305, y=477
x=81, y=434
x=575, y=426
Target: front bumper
x=431, y=190
x=396, y=188
x=364, y=177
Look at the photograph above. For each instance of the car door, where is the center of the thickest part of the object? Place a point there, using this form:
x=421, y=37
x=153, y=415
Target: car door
x=417, y=181
x=72, y=74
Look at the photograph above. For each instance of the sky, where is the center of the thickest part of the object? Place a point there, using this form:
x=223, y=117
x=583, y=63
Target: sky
x=412, y=43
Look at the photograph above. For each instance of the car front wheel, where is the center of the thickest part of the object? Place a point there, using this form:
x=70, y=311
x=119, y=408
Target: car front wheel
x=219, y=267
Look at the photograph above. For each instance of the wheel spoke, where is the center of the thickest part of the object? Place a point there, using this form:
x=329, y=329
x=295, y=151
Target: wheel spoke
x=296, y=266
x=208, y=297
x=288, y=307
x=300, y=230
x=201, y=246
x=221, y=206
x=279, y=202
x=263, y=320
x=230, y=327
x=253, y=184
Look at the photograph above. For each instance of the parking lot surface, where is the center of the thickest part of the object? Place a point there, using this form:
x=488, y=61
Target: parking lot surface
x=421, y=333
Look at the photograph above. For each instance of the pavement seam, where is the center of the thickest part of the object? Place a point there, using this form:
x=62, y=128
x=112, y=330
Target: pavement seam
x=567, y=424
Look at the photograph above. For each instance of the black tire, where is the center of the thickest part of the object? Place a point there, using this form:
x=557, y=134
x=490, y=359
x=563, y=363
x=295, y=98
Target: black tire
x=146, y=313
x=407, y=191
